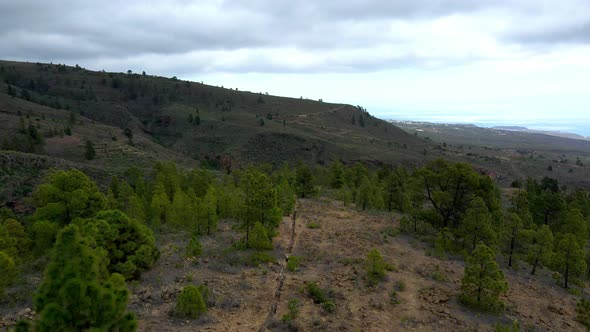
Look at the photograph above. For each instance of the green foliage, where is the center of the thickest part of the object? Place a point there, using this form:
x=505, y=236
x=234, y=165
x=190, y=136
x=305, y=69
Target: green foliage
x=43, y=233
x=583, y=312
x=89, y=153
x=396, y=191
x=443, y=242
x=293, y=306
x=512, y=230
x=304, y=181
x=259, y=238
x=375, y=267
x=336, y=175
x=483, y=281
x=13, y=238
x=259, y=205
x=568, y=258
x=181, y=212
x=77, y=293
x=190, y=303
x=540, y=248
x=67, y=195
x=449, y=189
x=8, y=268
x=316, y=293
x=313, y=224
x=130, y=245
x=512, y=327
x=368, y=195
x=194, y=248
x=477, y=224
x=293, y=263
x=23, y=326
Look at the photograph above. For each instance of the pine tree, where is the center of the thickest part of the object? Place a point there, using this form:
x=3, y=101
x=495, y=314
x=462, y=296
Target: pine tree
x=477, y=224
x=540, y=247
x=210, y=210
x=303, y=181
x=483, y=281
x=190, y=302
x=77, y=293
x=90, y=152
x=512, y=229
x=180, y=210
x=259, y=238
x=336, y=175
x=375, y=266
x=194, y=248
x=574, y=223
x=569, y=258
x=130, y=246
x=67, y=195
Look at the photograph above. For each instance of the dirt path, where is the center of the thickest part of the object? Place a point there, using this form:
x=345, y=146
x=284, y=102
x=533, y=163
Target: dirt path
x=282, y=276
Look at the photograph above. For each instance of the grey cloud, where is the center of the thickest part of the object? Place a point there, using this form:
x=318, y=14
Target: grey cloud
x=236, y=36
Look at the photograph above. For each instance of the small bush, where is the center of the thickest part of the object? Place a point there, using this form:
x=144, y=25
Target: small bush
x=194, y=248
x=259, y=257
x=293, y=263
x=313, y=224
x=316, y=293
x=437, y=275
x=393, y=298
x=375, y=267
x=321, y=297
x=259, y=238
x=293, y=306
x=329, y=307
x=511, y=327
x=400, y=286
x=190, y=303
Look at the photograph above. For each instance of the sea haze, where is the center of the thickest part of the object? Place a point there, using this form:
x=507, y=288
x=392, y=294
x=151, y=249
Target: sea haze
x=580, y=127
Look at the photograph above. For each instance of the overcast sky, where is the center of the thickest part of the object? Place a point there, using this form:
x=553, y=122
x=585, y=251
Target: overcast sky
x=483, y=61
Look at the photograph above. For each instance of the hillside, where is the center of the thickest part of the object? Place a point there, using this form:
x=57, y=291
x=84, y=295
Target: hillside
x=506, y=154
x=194, y=120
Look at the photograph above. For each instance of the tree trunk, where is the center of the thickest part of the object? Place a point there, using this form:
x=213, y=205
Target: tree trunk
x=566, y=275
x=535, y=264
x=511, y=251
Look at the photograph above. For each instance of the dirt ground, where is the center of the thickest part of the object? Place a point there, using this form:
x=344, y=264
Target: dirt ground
x=254, y=298
x=332, y=255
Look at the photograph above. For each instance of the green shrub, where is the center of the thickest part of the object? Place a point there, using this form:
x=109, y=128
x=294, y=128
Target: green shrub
x=393, y=298
x=400, y=286
x=293, y=306
x=43, y=233
x=313, y=224
x=8, y=269
x=375, y=267
x=23, y=326
x=329, y=307
x=260, y=257
x=190, y=303
x=511, y=327
x=293, y=263
x=259, y=238
x=130, y=245
x=583, y=312
x=316, y=293
x=194, y=248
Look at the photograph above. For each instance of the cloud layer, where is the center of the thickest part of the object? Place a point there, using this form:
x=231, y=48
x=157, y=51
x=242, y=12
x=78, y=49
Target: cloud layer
x=265, y=36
